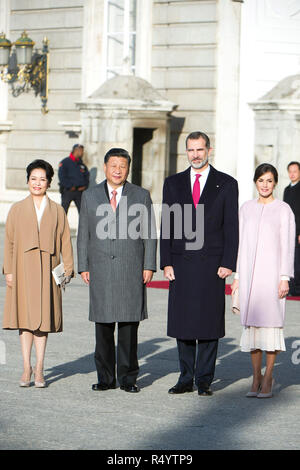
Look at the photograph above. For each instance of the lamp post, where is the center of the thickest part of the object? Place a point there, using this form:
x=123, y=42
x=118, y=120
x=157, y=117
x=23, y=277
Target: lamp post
x=25, y=69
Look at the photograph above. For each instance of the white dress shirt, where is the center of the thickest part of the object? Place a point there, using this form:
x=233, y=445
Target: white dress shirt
x=119, y=192
x=202, y=180
x=40, y=211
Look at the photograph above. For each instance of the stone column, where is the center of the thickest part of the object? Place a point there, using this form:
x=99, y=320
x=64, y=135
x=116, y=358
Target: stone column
x=103, y=129
x=5, y=127
x=4, y=27
x=93, y=49
x=227, y=88
x=144, y=39
x=245, y=140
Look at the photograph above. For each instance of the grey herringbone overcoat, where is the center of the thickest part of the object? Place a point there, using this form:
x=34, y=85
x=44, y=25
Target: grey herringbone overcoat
x=115, y=248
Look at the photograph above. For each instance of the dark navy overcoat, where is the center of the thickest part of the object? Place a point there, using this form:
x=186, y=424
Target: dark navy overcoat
x=196, y=308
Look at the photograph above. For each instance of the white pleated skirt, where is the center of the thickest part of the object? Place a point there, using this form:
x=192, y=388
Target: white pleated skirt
x=265, y=339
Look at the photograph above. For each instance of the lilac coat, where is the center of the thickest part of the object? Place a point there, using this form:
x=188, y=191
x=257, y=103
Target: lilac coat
x=266, y=252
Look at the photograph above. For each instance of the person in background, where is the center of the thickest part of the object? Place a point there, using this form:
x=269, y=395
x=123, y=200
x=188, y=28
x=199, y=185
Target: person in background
x=37, y=235
x=291, y=196
x=73, y=177
x=265, y=265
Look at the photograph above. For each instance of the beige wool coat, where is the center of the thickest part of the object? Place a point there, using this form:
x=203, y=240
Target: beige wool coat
x=34, y=301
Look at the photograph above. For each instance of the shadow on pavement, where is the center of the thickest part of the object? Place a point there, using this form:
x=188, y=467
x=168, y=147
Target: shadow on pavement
x=232, y=365
x=222, y=421
x=147, y=352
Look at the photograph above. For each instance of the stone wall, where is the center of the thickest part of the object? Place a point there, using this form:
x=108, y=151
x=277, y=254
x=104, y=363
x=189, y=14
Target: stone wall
x=33, y=134
x=184, y=68
x=277, y=128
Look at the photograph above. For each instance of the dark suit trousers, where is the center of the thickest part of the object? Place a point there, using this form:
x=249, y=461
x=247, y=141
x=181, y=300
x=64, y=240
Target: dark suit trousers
x=68, y=196
x=105, y=356
x=201, y=367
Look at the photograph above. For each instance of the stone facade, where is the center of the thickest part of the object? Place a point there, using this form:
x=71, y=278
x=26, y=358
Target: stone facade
x=210, y=58
x=277, y=127
x=184, y=68
x=176, y=54
x=33, y=134
x=269, y=52
x=127, y=112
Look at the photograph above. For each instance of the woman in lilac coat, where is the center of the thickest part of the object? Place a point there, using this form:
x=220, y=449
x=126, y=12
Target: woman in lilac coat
x=264, y=267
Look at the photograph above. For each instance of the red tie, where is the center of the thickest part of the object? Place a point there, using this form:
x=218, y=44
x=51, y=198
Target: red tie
x=196, y=190
x=113, y=201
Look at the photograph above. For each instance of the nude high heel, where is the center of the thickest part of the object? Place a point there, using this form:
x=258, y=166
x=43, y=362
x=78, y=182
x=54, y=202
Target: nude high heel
x=39, y=384
x=253, y=394
x=269, y=394
x=23, y=383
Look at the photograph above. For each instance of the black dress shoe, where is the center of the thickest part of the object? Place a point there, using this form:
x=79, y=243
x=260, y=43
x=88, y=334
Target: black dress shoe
x=181, y=388
x=204, y=390
x=103, y=386
x=130, y=388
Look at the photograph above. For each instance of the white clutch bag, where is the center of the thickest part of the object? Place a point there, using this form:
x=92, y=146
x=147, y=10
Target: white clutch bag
x=235, y=303
x=59, y=274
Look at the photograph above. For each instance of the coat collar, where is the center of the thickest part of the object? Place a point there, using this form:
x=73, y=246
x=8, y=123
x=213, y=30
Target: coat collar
x=102, y=197
x=210, y=192
x=294, y=186
x=124, y=191
x=33, y=238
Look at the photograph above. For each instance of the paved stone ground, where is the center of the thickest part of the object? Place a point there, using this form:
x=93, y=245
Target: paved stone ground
x=69, y=415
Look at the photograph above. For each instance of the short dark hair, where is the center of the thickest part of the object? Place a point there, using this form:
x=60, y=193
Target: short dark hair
x=76, y=146
x=40, y=164
x=265, y=168
x=198, y=135
x=293, y=163
x=117, y=152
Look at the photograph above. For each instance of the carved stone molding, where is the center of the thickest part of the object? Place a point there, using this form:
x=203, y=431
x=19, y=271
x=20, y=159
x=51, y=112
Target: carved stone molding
x=5, y=126
x=71, y=128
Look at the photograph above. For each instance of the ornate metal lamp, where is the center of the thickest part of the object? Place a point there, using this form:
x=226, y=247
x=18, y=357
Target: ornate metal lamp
x=5, y=46
x=24, y=69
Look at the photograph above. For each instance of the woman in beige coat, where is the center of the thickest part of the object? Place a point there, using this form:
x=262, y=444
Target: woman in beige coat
x=36, y=235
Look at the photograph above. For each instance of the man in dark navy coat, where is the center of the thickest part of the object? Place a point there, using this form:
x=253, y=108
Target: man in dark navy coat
x=73, y=177
x=197, y=271
x=291, y=196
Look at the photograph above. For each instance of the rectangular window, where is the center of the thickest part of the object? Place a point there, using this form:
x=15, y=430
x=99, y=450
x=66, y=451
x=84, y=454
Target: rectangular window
x=121, y=37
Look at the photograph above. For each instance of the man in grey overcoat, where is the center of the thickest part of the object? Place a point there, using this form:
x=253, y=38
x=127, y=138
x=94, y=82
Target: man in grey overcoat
x=116, y=258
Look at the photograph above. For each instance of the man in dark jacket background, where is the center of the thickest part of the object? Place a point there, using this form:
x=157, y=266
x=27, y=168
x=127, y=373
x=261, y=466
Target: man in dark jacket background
x=292, y=197
x=73, y=177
